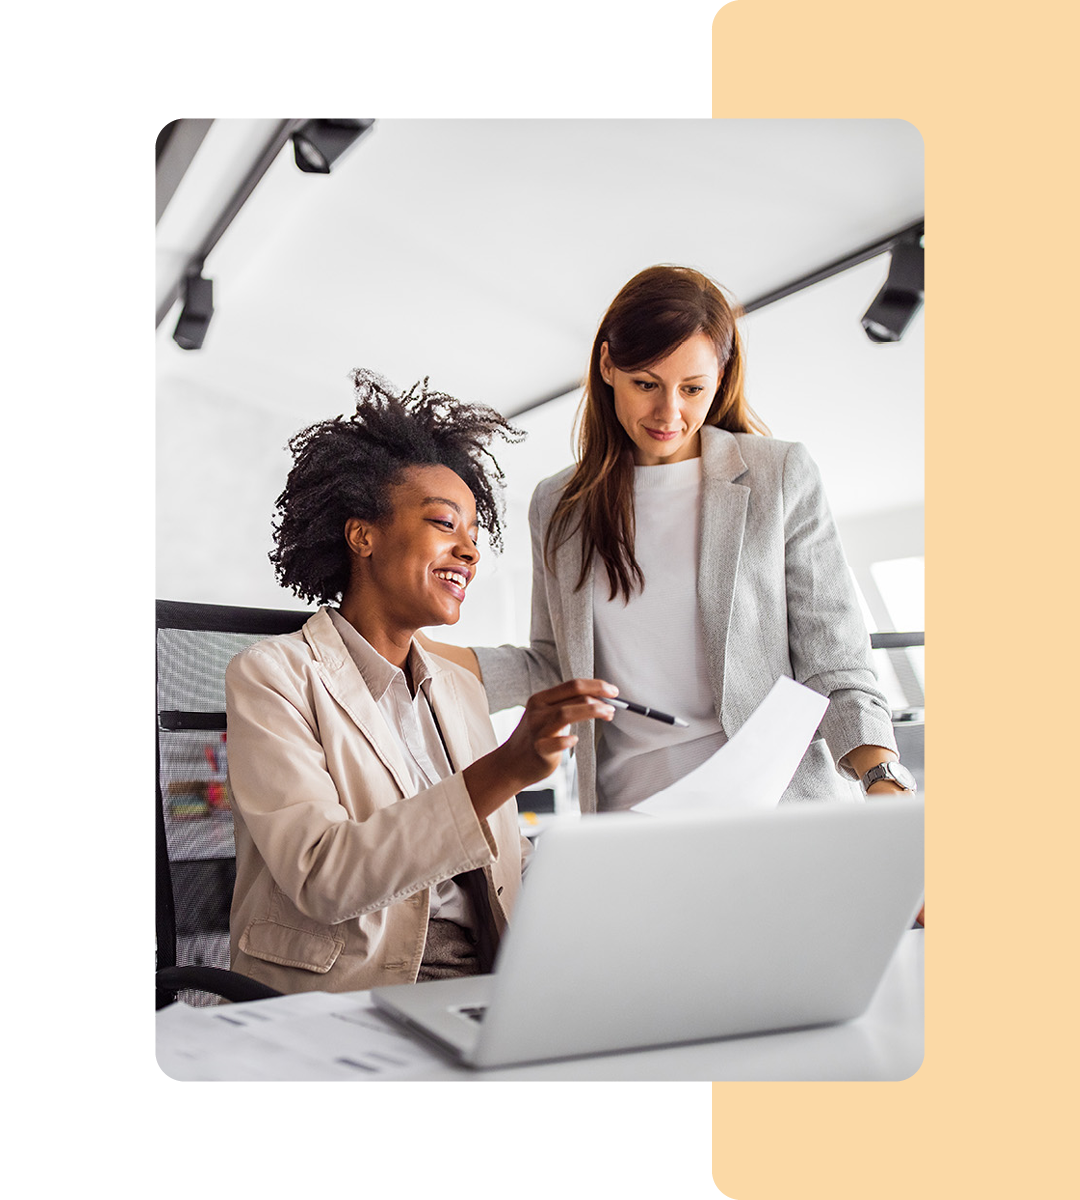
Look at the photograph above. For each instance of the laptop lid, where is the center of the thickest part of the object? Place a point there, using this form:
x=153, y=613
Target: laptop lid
x=635, y=931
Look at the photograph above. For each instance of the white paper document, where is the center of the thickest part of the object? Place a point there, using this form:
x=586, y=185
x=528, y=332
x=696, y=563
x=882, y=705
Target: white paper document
x=306, y=1036
x=756, y=765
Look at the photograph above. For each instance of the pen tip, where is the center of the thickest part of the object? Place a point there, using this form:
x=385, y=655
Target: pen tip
x=683, y=724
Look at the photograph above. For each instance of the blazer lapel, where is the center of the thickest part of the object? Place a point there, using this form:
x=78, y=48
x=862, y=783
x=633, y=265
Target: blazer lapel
x=577, y=609
x=723, y=522
x=449, y=712
x=577, y=617
x=345, y=683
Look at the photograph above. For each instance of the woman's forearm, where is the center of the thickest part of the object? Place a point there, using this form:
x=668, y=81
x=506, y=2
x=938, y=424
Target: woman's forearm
x=862, y=758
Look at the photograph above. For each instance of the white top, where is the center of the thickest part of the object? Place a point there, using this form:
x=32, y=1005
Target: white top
x=411, y=719
x=653, y=649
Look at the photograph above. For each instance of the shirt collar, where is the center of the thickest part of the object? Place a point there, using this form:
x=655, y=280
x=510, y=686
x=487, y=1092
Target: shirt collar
x=377, y=672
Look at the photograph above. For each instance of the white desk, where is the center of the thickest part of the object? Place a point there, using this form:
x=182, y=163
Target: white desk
x=321, y=1036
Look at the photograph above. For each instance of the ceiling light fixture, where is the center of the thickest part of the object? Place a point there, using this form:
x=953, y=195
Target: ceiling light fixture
x=317, y=143
x=902, y=295
x=198, y=294
x=320, y=142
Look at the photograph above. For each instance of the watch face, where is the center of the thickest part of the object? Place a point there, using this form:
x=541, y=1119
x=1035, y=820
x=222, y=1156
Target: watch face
x=902, y=775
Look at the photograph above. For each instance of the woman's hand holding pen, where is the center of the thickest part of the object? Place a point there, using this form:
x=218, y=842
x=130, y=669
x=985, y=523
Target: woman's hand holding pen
x=535, y=747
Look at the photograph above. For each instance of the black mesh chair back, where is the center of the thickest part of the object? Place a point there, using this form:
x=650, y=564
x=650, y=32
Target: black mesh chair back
x=196, y=864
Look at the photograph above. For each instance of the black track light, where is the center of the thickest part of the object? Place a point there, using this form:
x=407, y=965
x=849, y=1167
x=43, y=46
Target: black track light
x=198, y=295
x=901, y=297
x=320, y=142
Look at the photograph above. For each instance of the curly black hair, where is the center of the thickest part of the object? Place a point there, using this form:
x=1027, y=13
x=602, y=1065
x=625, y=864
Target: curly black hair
x=345, y=467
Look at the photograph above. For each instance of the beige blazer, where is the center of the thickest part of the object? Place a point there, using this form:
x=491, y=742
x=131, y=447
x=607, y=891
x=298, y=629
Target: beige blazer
x=334, y=852
x=775, y=594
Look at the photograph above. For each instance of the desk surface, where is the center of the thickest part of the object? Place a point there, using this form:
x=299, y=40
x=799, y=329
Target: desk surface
x=323, y=1036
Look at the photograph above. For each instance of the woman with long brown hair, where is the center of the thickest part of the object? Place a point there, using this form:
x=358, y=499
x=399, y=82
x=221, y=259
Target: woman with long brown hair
x=690, y=559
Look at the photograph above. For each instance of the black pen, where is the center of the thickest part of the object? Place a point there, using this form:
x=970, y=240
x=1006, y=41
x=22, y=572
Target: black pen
x=642, y=711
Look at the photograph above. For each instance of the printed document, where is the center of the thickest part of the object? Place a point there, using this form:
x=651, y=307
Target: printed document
x=753, y=768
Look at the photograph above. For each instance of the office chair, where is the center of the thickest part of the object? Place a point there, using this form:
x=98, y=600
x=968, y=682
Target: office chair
x=196, y=858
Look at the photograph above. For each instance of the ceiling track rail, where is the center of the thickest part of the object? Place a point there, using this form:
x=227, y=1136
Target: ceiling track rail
x=863, y=254
x=194, y=265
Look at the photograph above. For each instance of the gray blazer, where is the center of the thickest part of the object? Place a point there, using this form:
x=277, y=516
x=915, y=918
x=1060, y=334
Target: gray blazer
x=775, y=593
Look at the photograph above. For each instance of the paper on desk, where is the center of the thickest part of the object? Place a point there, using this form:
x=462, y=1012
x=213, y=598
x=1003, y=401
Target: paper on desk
x=756, y=765
x=307, y=1036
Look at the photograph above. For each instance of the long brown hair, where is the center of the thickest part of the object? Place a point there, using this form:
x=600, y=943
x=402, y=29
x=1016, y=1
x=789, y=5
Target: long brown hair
x=651, y=316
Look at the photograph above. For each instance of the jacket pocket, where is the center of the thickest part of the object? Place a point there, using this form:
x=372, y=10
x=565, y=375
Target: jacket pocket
x=291, y=947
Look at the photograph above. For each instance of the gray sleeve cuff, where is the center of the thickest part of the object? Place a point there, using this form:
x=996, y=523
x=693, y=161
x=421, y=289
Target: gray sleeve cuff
x=511, y=674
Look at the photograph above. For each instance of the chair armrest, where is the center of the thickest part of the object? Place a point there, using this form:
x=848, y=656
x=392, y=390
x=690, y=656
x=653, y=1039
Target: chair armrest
x=230, y=985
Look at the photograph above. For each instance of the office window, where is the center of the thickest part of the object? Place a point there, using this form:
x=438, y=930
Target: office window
x=901, y=582
x=899, y=604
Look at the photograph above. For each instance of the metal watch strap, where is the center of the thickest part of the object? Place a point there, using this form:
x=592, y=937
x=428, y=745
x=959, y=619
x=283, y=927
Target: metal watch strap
x=892, y=771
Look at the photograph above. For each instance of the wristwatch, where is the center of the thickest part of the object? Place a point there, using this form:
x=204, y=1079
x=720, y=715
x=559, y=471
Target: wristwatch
x=890, y=770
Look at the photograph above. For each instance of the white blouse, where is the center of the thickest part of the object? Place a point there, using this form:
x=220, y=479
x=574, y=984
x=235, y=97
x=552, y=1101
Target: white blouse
x=652, y=648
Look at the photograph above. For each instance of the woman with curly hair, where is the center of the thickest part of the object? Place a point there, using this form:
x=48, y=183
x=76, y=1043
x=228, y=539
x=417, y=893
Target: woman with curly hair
x=376, y=827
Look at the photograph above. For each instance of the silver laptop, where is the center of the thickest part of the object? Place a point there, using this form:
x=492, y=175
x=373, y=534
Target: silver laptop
x=634, y=931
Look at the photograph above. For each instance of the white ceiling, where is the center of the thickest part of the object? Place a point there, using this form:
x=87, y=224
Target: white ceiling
x=483, y=253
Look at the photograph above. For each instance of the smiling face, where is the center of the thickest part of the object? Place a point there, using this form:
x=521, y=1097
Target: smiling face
x=411, y=570
x=662, y=406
